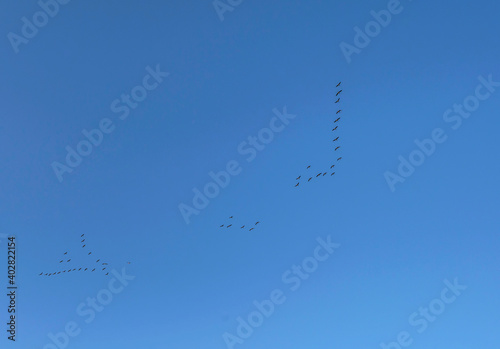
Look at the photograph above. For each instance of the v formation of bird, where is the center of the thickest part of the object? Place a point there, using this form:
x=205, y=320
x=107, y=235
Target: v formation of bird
x=242, y=227
x=81, y=268
x=337, y=147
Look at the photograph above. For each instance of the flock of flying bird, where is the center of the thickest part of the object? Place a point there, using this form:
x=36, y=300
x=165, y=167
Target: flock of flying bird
x=102, y=265
x=242, y=227
x=334, y=140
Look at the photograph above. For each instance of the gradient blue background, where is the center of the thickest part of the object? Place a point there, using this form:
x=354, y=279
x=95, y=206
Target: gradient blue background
x=193, y=281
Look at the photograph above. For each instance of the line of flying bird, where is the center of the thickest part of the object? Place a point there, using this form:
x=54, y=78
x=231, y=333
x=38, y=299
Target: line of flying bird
x=334, y=140
x=79, y=269
x=242, y=227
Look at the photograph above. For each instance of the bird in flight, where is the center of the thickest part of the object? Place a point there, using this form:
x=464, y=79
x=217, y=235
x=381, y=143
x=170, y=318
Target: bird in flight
x=257, y=223
x=82, y=240
x=107, y=273
x=338, y=84
x=338, y=93
x=308, y=166
x=229, y=225
x=231, y=217
x=309, y=179
x=324, y=173
x=68, y=260
x=338, y=111
x=242, y=227
x=334, y=128
x=65, y=252
x=93, y=269
x=332, y=166
x=250, y=229
x=85, y=269
x=332, y=173
x=89, y=253
x=337, y=120
x=297, y=184
x=60, y=261
x=84, y=246
x=339, y=158
x=41, y=273
x=82, y=235
x=80, y=269
x=298, y=177
x=319, y=174
x=103, y=268
x=337, y=148
x=336, y=139
x=338, y=100
x=104, y=263
x=97, y=261
x=221, y=225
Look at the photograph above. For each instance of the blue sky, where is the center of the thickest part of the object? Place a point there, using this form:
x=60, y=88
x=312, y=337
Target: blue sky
x=226, y=80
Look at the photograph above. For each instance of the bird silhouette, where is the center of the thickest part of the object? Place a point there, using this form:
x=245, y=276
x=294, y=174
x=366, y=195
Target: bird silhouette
x=229, y=225
x=60, y=261
x=339, y=158
x=332, y=173
x=338, y=111
x=231, y=217
x=93, y=269
x=308, y=166
x=85, y=269
x=257, y=223
x=104, y=263
x=221, y=226
x=309, y=179
x=297, y=184
x=65, y=252
x=332, y=166
x=336, y=139
x=80, y=269
x=242, y=227
x=250, y=229
x=107, y=273
x=68, y=260
x=82, y=235
x=84, y=246
x=338, y=84
x=298, y=177
x=41, y=273
x=338, y=93
x=337, y=148
x=97, y=261
x=319, y=174
x=324, y=173
x=337, y=120
x=334, y=128
x=82, y=240
x=103, y=268
x=90, y=253
x=338, y=100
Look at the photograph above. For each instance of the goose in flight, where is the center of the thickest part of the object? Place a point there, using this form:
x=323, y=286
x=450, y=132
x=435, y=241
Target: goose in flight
x=68, y=260
x=337, y=120
x=338, y=93
x=332, y=173
x=324, y=173
x=338, y=111
x=242, y=227
x=60, y=261
x=221, y=225
x=231, y=217
x=337, y=148
x=319, y=174
x=250, y=229
x=107, y=273
x=89, y=253
x=308, y=166
x=338, y=84
x=309, y=179
x=336, y=139
x=338, y=100
x=82, y=240
x=339, y=158
x=257, y=223
x=97, y=261
x=41, y=273
x=334, y=128
x=297, y=184
x=93, y=269
x=82, y=235
x=298, y=177
x=229, y=225
x=65, y=252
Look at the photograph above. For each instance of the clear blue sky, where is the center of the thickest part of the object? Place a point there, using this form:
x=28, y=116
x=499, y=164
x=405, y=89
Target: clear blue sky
x=192, y=281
